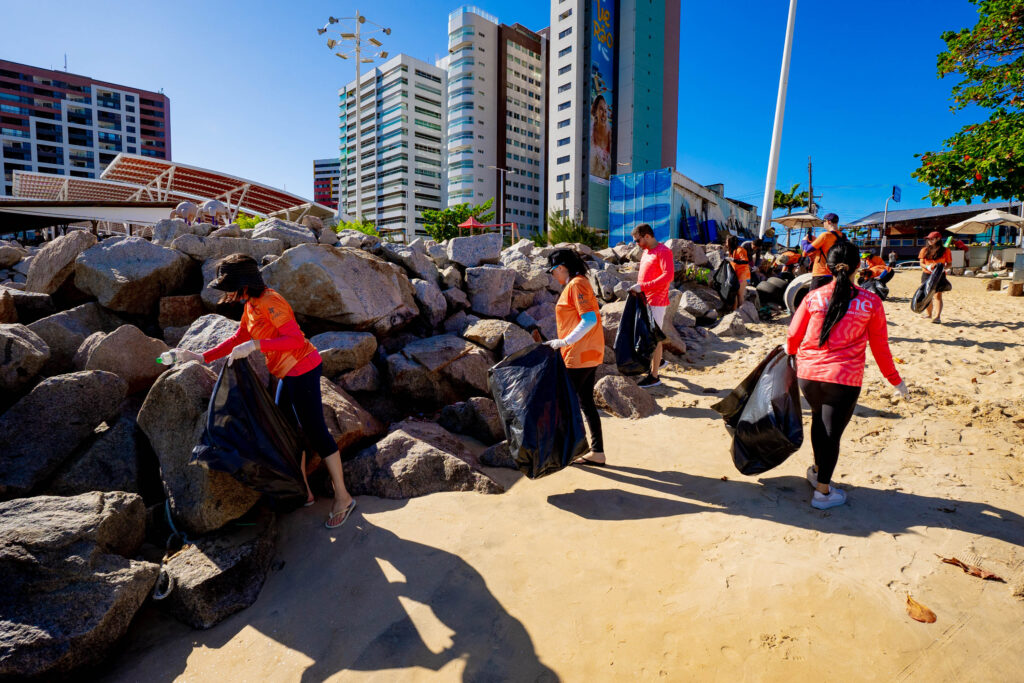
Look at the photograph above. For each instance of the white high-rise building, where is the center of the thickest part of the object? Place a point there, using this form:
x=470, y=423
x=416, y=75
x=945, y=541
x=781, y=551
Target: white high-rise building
x=402, y=166
x=495, y=109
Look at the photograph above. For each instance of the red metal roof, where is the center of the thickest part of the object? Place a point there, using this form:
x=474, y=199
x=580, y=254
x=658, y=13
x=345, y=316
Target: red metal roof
x=160, y=176
x=32, y=185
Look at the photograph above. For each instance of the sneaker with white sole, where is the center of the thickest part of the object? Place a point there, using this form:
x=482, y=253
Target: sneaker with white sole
x=835, y=498
x=648, y=382
x=812, y=477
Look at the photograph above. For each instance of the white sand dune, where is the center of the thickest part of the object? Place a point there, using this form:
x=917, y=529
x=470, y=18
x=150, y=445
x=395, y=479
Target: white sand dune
x=669, y=564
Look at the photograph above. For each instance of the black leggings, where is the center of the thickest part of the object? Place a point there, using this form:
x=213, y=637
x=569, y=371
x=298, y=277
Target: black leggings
x=583, y=380
x=300, y=396
x=831, y=409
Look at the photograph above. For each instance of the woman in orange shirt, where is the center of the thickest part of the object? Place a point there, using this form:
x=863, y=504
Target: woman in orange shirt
x=580, y=340
x=268, y=325
x=741, y=264
x=931, y=256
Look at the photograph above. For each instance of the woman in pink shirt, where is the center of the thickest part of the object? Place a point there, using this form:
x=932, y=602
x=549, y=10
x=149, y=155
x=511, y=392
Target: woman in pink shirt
x=828, y=335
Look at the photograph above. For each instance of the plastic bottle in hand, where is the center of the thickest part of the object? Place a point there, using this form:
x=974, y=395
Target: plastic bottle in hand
x=168, y=357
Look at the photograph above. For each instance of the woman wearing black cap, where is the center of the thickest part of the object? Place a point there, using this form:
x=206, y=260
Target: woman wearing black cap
x=580, y=339
x=268, y=325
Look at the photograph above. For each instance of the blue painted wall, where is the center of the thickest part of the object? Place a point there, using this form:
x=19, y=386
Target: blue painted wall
x=644, y=197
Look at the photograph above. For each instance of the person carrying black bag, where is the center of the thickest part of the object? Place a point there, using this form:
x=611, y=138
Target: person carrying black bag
x=828, y=335
x=931, y=256
x=580, y=340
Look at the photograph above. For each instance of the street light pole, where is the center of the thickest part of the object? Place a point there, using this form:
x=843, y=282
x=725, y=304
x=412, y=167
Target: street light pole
x=501, y=201
x=885, y=215
x=780, y=110
x=357, y=52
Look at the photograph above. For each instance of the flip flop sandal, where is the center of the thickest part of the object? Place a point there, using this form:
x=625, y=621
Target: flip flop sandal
x=309, y=501
x=586, y=462
x=344, y=514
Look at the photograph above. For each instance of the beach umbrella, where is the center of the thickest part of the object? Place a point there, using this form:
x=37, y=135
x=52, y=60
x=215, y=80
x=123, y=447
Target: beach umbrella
x=984, y=221
x=798, y=221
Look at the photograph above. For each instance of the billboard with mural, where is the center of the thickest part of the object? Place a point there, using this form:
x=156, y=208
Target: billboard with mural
x=602, y=89
x=642, y=197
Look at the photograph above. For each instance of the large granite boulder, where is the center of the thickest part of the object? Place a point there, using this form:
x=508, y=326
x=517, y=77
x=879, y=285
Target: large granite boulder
x=477, y=417
x=621, y=397
x=69, y=591
x=475, y=250
x=346, y=420
x=413, y=258
x=205, y=248
x=64, y=332
x=451, y=277
x=731, y=325
x=52, y=265
x=130, y=274
x=611, y=316
x=24, y=354
x=210, y=330
x=490, y=290
x=355, y=239
x=30, y=306
x=8, y=310
x=11, y=253
x=290, y=234
x=435, y=353
x=40, y=431
x=180, y=311
x=411, y=383
x=220, y=573
x=173, y=417
x=169, y=229
x=498, y=455
x=531, y=274
x=109, y=463
x=366, y=378
x=345, y=286
x=431, y=301
x=414, y=459
x=128, y=353
x=456, y=300
x=344, y=351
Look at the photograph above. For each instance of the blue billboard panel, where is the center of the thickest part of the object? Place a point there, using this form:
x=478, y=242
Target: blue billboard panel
x=635, y=198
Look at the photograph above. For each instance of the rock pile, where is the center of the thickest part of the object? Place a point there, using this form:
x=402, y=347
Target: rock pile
x=407, y=334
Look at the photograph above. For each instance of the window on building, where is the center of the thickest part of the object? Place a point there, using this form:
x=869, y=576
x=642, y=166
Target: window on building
x=564, y=105
x=562, y=160
x=565, y=33
x=564, y=51
x=565, y=15
x=564, y=123
x=563, y=142
x=565, y=69
x=564, y=87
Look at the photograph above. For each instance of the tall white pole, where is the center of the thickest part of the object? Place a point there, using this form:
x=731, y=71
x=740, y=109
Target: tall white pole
x=359, y=126
x=885, y=216
x=780, y=110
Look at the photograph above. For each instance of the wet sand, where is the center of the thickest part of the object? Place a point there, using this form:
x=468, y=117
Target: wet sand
x=669, y=564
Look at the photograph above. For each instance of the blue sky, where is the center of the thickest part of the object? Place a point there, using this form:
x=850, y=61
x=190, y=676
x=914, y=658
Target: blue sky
x=254, y=90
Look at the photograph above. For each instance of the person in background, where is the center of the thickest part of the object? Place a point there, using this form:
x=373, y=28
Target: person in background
x=740, y=261
x=788, y=260
x=580, y=340
x=892, y=260
x=930, y=256
x=828, y=335
x=819, y=249
x=657, y=271
x=268, y=326
x=873, y=267
x=755, y=250
x=806, y=250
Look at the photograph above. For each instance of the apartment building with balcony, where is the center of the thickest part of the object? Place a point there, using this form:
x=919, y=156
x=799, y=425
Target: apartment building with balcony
x=401, y=163
x=66, y=124
x=496, y=116
x=612, y=98
x=326, y=176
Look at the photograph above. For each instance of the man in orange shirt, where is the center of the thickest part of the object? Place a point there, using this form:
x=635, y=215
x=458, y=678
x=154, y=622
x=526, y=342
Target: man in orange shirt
x=819, y=251
x=873, y=267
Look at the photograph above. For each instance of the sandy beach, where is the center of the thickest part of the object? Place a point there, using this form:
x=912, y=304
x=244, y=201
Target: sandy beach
x=669, y=564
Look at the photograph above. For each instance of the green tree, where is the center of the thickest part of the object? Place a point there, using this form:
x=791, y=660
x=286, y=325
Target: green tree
x=793, y=199
x=569, y=229
x=246, y=222
x=982, y=159
x=363, y=225
x=443, y=224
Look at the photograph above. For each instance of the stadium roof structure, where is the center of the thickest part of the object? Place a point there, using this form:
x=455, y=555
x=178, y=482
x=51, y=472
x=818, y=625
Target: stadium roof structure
x=156, y=178
x=134, y=178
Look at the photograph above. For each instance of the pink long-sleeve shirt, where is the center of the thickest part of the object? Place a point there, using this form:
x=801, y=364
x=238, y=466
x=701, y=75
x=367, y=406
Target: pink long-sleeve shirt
x=841, y=360
x=657, y=271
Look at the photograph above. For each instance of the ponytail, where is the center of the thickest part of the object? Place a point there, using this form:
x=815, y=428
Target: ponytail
x=843, y=259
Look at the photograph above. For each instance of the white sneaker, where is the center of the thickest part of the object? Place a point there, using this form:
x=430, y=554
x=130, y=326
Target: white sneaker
x=812, y=477
x=835, y=498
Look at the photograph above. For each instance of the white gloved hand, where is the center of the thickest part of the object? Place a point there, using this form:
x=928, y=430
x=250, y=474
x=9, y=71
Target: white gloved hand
x=242, y=350
x=556, y=343
x=636, y=289
x=902, y=391
x=185, y=355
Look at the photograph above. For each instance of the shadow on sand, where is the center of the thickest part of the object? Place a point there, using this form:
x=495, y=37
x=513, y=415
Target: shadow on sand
x=784, y=499
x=354, y=600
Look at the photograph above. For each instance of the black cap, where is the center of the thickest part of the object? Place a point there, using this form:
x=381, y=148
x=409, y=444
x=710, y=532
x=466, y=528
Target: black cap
x=237, y=271
x=832, y=218
x=561, y=257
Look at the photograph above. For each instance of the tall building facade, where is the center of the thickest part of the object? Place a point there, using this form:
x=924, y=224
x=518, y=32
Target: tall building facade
x=65, y=124
x=402, y=164
x=612, y=92
x=496, y=116
x=326, y=176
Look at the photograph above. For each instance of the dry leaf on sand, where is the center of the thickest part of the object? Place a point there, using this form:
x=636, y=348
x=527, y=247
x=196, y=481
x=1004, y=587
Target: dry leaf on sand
x=919, y=612
x=972, y=569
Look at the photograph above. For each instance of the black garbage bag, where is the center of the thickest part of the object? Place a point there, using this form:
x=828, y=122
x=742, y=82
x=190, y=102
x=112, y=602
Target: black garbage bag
x=876, y=287
x=539, y=409
x=763, y=415
x=726, y=284
x=637, y=337
x=936, y=282
x=249, y=438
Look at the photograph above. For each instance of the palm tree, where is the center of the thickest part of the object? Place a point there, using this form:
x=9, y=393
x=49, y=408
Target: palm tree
x=790, y=200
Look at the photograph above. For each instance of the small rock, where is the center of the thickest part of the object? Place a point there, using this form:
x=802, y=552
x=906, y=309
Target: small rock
x=415, y=261
x=366, y=378
x=290, y=234
x=622, y=398
x=451, y=277
x=456, y=299
x=490, y=290
x=498, y=455
x=24, y=354
x=475, y=250
x=431, y=301
x=346, y=420
x=731, y=325
x=8, y=311
x=435, y=353
x=344, y=351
